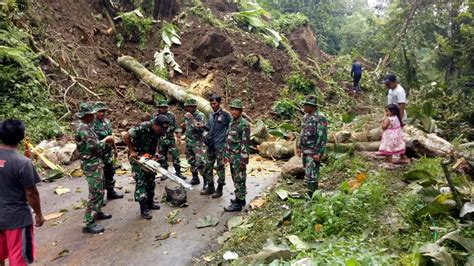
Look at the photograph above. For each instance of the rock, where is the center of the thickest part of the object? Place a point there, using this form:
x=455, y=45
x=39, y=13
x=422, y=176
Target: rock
x=259, y=133
x=304, y=43
x=68, y=153
x=212, y=45
x=293, y=168
x=203, y=87
x=277, y=149
x=51, y=155
x=144, y=94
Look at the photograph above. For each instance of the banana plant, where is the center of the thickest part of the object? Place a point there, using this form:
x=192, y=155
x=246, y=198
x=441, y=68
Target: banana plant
x=170, y=34
x=165, y=58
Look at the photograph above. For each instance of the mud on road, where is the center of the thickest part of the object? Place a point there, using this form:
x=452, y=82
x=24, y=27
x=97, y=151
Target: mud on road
x=129, y=239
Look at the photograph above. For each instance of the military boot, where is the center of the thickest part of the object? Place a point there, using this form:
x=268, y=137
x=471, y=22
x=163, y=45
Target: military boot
x=209, y=190
x=235, y=200
x=152, y=205
x=236, y=206
x=312, y=186
x=103, y=216
x=195, y=180
x=112, y=194
x=145, y=213
x=177, y=169
x=218, y=192
x=93, y=229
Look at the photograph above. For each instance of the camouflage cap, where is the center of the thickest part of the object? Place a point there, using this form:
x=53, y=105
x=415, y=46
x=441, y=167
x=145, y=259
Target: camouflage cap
x=190, y=102
x=310, y=100
x=85, y=109
x=237, y=104
x=100, y=106
x=162, y=103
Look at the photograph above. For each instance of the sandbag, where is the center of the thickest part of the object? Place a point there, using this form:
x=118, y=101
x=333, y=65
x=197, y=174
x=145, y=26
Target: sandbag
x=176, y=196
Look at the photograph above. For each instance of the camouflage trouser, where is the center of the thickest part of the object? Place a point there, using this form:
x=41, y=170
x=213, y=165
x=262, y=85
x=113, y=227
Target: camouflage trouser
x=197, y=157
x=239, y=176
x=94, y=177
x=109, y=170
x=215, y=156
x=169, y=146
x=311, y=168
x=144, y=183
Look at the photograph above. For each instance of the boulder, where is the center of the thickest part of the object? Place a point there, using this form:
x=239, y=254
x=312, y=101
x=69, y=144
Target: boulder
x=67, y=153
x=293, y=168
x=259, y=133
x=212, y=45
x=51, y=155
x=277, y=150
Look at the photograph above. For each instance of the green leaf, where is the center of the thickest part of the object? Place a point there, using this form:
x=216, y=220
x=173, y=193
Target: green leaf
x=175, y=40
x=207, y=222
x=442, y=203
x=416, y=175
x=297, y=242
x=282, y=193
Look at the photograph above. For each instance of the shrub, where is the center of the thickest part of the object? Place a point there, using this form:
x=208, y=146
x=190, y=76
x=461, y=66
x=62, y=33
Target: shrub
x=290, y=22
x=136, y=26
x=299, y=83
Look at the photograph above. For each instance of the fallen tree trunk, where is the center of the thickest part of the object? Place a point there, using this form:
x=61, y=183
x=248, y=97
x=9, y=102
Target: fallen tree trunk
x=174, y=91
x=426, y=144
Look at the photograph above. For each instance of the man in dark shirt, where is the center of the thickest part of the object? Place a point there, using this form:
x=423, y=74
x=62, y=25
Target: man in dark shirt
x=217, y=126
x=18, y=179
x=356, y=74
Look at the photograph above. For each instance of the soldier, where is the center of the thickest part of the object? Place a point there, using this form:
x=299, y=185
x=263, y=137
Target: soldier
x=313, y=141
x=91, y=150
x=141, y=140
x=193, y=127
x=168, y=141
x=103, y=128
x=218, y=123
x=237, y=152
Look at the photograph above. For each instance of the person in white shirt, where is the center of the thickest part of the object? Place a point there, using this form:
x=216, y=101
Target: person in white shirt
x=397, y=95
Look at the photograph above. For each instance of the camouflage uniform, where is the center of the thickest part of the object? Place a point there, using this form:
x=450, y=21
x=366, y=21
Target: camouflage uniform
x=145, y=140
x=103, y=128
x=237, y=151
x=91, y=151
x=313, y=141
x=168, y=144
x=195, y=147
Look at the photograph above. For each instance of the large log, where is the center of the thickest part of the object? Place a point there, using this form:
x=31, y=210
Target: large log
x=174, y=91
x=426, y=144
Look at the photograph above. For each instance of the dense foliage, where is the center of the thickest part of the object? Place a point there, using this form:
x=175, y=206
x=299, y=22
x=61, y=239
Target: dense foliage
x=23, y=91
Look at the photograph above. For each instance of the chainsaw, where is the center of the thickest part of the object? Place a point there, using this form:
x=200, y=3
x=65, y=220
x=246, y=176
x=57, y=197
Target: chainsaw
x=151, y=166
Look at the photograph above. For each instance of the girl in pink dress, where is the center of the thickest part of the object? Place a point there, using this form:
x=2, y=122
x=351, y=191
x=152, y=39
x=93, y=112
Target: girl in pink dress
x=393, y=142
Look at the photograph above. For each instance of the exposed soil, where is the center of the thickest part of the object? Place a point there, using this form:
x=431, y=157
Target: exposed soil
x=77, y=35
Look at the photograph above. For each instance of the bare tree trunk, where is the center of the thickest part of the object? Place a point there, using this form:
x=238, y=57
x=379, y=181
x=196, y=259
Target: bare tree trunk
x=165, y=8
x=171, y=90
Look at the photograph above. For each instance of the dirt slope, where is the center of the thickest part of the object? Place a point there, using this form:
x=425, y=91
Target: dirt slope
x=75, y=34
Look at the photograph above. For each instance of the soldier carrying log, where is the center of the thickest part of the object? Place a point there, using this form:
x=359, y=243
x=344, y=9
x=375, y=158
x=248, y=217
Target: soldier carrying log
x=313, y=141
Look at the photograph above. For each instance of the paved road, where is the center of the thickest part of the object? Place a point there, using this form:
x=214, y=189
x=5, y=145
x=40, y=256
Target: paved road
x=128, y=239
